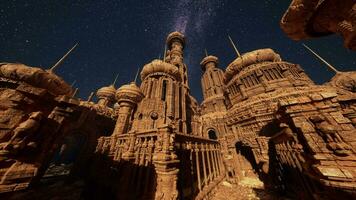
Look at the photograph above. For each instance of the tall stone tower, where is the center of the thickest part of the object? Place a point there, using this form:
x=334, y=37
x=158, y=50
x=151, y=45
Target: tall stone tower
x=212, y=83
x=165, y=87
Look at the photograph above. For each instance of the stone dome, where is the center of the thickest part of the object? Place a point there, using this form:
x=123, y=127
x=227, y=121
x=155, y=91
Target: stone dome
x=158, y=66
x=129, y=92
x=175, y=36
x=108, y=92
x=250, y=58
x=208, y=59
x=36, y=77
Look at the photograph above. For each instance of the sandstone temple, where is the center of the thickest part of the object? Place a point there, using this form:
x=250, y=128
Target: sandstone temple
x=261, y=117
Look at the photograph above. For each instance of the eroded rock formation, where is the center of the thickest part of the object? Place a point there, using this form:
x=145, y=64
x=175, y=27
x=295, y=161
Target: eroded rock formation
x=314, y=18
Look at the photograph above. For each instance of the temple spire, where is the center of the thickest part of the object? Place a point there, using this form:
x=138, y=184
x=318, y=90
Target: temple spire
x=233, y=44
x=117, y=75
x=320, y=58
x=62, y=59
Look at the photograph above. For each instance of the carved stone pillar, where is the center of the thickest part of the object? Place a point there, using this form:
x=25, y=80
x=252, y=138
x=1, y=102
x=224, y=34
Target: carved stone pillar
x=166, y=166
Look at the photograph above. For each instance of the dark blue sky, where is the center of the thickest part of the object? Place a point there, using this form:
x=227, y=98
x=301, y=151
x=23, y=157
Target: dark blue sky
x=120, y=36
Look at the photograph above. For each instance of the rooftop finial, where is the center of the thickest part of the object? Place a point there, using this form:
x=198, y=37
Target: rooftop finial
x=113, y=83
x=206, y=53
x=324, y=61
x=61, y=60
x=138, y=69
x=233, y=44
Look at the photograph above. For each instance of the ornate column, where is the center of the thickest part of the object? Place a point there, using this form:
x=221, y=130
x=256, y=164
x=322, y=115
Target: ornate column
x=166, y=165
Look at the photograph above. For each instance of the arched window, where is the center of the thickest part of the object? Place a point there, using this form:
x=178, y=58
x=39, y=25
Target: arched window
x=164, y=90
x=212, y=134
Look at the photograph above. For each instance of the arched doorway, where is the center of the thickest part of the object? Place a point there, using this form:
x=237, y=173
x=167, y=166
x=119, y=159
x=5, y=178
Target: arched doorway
x=66, y=155
x=212, y=134
x=247, y=169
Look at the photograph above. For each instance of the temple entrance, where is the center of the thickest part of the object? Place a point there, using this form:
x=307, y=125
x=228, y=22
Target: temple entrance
x=247, y=159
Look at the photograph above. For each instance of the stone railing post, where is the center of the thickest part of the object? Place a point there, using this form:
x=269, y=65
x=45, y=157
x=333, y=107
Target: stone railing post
x=130, y=154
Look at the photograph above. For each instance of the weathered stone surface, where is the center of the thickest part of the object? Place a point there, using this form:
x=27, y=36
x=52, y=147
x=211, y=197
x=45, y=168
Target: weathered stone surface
x=263, y=124
x=314, y=18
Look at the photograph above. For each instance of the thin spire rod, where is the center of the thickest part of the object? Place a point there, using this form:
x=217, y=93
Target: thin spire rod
x=75, y=92
x=206, y=53
x=138, y=69
x=324, y=61
x=165, y=53
x=75, y=81
x=90, y=96
x=62, y=59
x=233, y=44
x=117, y=75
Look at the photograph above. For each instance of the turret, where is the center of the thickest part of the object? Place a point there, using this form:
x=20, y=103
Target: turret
x=212, y=79
x=106, y=95
x=212, y=85
x=127, y=96
x=175, y=43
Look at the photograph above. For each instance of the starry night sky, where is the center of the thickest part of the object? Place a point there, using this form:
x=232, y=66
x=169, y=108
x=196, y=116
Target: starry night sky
x=120, y=36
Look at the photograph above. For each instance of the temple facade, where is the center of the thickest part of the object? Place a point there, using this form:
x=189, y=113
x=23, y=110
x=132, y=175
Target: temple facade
x=261, y=117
